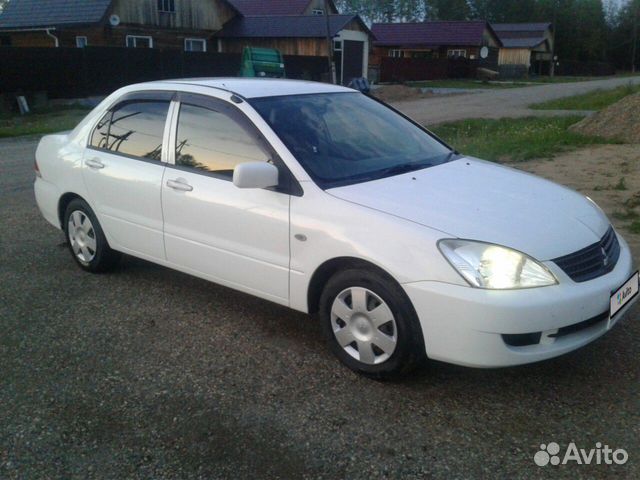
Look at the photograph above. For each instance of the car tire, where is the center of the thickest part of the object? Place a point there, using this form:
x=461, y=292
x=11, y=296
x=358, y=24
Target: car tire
x=86, y=240
x=370, y=324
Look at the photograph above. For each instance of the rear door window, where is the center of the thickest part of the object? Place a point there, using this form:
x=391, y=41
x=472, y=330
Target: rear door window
x=101, y=132
x=137, y=129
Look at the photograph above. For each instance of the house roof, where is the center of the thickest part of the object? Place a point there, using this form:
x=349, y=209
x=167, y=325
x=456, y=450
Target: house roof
x=522, y=35
x=272, y=7
x=523, y=39
x=522, y=42
x=432, y=34
x=521, y=27
x=51, y=13
x=286, y=26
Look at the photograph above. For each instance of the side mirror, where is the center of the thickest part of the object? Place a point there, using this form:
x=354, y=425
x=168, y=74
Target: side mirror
x=255, y=175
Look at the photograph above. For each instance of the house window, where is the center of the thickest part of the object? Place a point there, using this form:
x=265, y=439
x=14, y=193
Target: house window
x=421, y=54
x=457, y=52
x=317, y=11
x=396, y=53
x=138, y=41
x=337, y=46
x=81, y=42
x=195, y=45
x=167, y=6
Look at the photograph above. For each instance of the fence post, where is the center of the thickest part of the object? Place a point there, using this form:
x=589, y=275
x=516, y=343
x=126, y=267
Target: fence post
x=84, y=75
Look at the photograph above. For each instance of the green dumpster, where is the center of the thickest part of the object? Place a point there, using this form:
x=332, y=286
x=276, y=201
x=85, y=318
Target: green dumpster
x=262, y=62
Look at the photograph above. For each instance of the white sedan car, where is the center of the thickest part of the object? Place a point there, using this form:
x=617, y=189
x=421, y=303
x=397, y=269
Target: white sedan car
x=322, y=199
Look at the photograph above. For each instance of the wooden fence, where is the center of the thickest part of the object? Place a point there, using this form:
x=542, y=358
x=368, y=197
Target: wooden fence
x=574, y=68
x=412, y=69
x=81, y=72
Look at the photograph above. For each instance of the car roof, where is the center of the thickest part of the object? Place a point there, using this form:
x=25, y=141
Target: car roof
x=260, y=87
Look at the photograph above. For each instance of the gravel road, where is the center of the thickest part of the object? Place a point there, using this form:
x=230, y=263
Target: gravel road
x=149, y=373
x=498, y=103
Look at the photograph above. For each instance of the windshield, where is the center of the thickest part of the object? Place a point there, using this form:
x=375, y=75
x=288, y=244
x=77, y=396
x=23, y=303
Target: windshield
x=346, y=138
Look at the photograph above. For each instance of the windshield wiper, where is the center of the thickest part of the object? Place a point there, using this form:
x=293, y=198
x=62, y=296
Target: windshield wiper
x=451, y=155
x=403, y=168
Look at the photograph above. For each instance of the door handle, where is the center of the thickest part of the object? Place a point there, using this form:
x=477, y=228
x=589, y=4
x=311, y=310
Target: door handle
x=94, y=163
x=179, y=184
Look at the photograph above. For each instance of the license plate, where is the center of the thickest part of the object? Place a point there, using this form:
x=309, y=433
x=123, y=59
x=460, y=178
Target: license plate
x=624, y=294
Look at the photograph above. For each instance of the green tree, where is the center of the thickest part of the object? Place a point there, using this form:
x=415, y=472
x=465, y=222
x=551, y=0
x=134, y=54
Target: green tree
x=580, y=25
x=449, y=10
x=624, y=39
x=375, y=11
x=581, y=28
x=504, y=11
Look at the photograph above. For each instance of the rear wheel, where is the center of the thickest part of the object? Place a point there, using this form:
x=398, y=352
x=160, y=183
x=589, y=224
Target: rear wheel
x=86, y=240
x=370, y=324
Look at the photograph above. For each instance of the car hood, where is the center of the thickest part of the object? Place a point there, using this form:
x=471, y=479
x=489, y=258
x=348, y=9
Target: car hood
x=473, y=199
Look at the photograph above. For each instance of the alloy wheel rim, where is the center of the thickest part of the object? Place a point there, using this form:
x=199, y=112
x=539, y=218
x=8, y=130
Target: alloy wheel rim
x=364, y=325
x=82, y=237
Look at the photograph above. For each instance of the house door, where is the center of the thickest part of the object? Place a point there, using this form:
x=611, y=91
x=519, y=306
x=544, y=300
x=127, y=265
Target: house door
x=353, y=53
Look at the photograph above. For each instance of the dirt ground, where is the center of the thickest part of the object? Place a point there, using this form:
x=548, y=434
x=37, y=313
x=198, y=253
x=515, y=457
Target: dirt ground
x=399, y=93
x=500, y=103
x=618, y=121
x=609, y=174
x=149, y=373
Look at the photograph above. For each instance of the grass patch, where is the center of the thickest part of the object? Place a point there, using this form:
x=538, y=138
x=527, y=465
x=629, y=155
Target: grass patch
x=43, y=121
x=565, y=79
x=596, y=100
x=515, y=139
x=621, y=185
x=467, y=84
x=635, y=227
x=559, y=79
x=626, y=215
x=470, y=83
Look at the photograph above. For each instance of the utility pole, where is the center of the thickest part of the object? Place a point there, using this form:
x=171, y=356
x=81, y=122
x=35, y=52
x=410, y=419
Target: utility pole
x=332, y=71
x=634, y=45
x=552, y=66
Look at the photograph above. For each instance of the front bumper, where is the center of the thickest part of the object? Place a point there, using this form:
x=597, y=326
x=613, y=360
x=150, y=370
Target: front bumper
x=466, y=326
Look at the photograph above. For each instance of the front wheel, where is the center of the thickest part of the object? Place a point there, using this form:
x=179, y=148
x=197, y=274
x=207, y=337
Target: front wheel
x=86, y=240
x=370, y=324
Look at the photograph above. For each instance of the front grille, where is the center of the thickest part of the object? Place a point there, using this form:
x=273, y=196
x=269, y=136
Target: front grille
x=533, y=338
x=576, y=327
x=593, y=261
x=522, y=339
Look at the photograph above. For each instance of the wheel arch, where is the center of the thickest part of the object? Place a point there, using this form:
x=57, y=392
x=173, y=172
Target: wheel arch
x=329, y=268
x=63, y=203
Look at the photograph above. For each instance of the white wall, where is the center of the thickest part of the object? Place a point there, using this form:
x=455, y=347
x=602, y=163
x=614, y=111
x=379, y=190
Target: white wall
x=358, y=37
